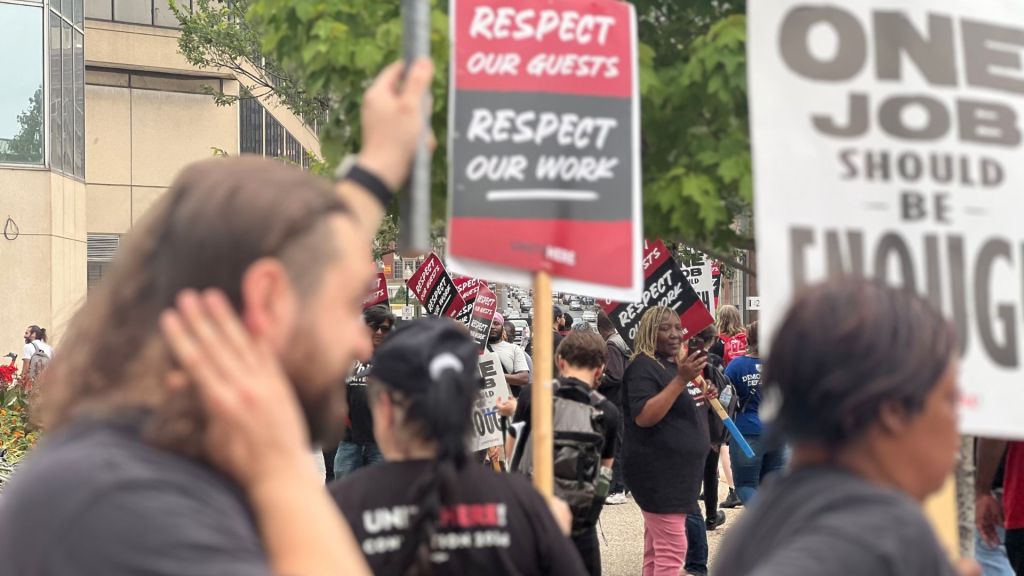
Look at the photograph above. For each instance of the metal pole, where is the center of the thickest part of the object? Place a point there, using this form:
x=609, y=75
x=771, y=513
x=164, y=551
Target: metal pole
x=414, y=220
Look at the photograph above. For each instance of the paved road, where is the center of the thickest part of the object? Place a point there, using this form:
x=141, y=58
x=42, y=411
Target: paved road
x=621, y=532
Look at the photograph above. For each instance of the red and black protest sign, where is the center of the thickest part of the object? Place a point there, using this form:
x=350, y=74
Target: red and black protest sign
x=467, y=288
x=664, y=285
x=378, y=292
x=484, y=307
x=544, y=149
x=435, y=289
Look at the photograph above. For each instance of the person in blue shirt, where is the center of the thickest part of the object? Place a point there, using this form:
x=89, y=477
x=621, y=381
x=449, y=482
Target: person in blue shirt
x=745, y=374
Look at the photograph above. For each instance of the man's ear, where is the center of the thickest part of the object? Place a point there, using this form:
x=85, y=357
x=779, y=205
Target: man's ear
x=598, y=373
x=269, y=302
x=893, y=419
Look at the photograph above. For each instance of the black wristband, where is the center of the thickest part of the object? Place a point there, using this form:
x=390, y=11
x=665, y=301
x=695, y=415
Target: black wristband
x=371, y=183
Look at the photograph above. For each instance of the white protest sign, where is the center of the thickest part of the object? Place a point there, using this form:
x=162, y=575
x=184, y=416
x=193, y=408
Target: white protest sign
x=486, y=422
x=887, y=142
x=700, y=273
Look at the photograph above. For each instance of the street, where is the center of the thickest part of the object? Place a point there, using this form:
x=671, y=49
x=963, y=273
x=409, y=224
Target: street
x=621, y=533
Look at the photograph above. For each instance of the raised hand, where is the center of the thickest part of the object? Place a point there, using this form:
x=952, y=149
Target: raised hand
x=254, y=426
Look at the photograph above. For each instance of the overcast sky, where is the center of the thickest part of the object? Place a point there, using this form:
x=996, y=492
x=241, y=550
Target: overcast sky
x=21, y=62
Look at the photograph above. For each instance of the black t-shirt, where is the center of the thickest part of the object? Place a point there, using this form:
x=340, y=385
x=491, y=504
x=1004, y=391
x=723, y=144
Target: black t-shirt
x=611, y=415
x=360, y=429
x=663, y=464
x=94, y=499
x=829, y=521
x=499, y=525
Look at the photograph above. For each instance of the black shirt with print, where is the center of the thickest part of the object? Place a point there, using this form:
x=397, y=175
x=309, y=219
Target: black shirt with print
x=498, y=525
x=360, y=429
x=663, y=464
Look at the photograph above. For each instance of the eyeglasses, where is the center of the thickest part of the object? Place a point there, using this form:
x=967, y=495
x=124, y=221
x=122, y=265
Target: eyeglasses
x=382, y=328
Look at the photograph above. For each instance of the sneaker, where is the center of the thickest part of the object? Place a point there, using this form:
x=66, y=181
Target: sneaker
x=616, y=498
x=714, y=523
x=731, y=501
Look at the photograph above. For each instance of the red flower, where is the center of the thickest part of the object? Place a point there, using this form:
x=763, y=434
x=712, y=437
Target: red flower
x=7, y=373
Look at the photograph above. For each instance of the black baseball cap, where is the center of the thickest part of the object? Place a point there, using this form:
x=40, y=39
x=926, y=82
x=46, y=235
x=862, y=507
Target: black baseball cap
x=415, y=355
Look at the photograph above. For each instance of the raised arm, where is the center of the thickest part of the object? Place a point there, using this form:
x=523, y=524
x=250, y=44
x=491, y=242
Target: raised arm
x=392, y=117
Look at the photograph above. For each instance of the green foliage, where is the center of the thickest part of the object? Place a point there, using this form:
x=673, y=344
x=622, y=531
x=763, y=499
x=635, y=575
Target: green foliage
x=17, y=434
x=697, y=174
x=322, y=55
x=27, y=145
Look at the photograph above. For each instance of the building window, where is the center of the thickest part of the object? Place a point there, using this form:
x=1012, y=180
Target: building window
x=260, y=133
x=100, y=250
x=21, y=68
x=66, y=93
x=250, y=126
x=99, y=9
x=56, y=113
x=147, y=12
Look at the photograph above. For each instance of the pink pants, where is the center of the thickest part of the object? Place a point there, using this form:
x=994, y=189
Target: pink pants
x=664, y=544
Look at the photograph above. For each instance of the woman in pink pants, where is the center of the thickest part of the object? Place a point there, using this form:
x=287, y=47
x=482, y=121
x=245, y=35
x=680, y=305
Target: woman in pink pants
x=666, y=440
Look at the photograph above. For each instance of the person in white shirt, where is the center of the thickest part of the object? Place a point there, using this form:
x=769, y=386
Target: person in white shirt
x=35, y=339
x=512, y=357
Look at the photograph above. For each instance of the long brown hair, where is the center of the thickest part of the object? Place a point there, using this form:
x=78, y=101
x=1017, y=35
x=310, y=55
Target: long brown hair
x=217, y=218
x=730, y=323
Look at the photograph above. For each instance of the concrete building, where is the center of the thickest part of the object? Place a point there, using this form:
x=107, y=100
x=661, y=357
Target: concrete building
x=98, y=112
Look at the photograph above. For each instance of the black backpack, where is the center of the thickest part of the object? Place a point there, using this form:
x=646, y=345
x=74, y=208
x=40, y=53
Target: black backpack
x=578, y=430
x=727, y=397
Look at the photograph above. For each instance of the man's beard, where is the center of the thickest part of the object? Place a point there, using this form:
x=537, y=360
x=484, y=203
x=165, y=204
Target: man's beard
x=494, y=336
x=324, y=406
x=28, y=340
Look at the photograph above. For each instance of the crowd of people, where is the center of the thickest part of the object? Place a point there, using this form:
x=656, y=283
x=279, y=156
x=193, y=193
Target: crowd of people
x=179, y=423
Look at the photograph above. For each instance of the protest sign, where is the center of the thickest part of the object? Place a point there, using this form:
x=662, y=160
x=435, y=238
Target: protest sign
x=484, y=307
x=378, y=292
x=887, y=144
x=467, y=288
x=544, y=169
x=434, y=288
x=665, y=285
x=701, y=276
x=487, y=430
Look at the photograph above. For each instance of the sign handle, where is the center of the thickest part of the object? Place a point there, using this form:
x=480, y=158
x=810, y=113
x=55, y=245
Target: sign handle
x=414, y=220
x=729, y=423
x=541, y=409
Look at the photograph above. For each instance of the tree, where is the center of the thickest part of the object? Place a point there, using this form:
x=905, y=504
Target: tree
x=696, y=152
x=27, y=145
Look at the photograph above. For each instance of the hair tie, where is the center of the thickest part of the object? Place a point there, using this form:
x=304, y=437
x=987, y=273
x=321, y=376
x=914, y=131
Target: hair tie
x=442, y=362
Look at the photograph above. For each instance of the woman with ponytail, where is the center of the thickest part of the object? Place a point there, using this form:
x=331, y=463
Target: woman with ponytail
x=428, y=510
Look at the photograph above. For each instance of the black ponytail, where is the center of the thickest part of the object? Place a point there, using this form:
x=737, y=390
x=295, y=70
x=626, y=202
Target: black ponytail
x=441, y=413
x=39, y=333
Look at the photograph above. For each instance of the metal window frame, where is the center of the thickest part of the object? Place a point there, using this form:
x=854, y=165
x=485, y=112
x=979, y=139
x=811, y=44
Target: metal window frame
x=152, y=15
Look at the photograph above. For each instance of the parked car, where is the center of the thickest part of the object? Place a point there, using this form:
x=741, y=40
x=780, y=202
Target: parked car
x=522, y=331
x=575, y=305
x=590, y=316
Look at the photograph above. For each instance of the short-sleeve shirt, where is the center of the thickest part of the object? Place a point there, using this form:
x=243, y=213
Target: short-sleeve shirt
x=30, y=349
x=663, y=464
x=745, y=374
x=512, y=357
x=497, y=524
x=1013, y=486
x=94, y=498
x=829, y=521
x=360, y=428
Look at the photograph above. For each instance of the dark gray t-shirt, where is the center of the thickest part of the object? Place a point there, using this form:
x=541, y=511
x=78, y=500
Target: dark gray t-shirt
x=95, y=500
x=828, y=522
